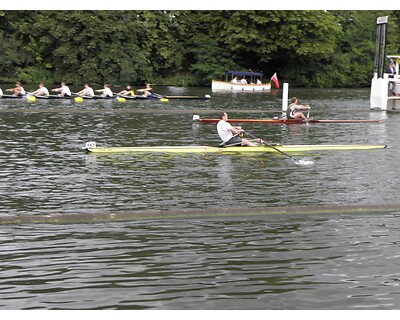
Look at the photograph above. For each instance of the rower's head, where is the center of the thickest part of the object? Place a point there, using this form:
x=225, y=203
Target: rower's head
x=223, y=116
x=294, y=100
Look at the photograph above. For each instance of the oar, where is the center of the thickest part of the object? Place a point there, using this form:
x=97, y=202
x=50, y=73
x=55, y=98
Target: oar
x=302, y=162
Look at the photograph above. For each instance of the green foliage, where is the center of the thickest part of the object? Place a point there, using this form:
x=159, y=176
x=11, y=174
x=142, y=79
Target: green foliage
x=306, y=48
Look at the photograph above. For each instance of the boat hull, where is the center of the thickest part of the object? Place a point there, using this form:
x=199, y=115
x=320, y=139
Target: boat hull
x=53, y=97
x=222, y=85
x=289, y=121
x=138, y=97
x=257, y=149
x=11, y=96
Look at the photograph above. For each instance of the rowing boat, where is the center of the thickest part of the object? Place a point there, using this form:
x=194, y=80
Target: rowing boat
x=97, y=97
x=287, y=121
x=157, y=97
x=52, y=97
x=275, y=148
x=10, y=96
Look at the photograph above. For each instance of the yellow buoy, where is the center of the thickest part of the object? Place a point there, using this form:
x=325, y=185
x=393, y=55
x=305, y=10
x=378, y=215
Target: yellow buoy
x=31, y=98
x=120, y=99
x=78, y=99
x=164, y=100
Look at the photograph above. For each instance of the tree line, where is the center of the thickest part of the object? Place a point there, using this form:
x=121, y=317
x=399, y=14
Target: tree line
x=190, y=48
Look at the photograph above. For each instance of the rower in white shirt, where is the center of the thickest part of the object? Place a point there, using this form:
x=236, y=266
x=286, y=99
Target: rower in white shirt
x=64, y=90
x=86, y=92
x=42, y=91
x=106, y=92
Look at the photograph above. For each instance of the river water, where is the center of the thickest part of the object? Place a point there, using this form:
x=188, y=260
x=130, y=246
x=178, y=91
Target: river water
x=265, y=233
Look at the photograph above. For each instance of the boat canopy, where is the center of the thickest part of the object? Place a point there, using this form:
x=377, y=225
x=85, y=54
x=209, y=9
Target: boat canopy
x=244, y=74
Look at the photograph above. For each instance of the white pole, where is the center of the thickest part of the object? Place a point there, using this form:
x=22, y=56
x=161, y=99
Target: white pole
x=285, y=98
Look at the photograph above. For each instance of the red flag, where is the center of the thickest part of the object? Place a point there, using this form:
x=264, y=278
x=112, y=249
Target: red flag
x=274, y=78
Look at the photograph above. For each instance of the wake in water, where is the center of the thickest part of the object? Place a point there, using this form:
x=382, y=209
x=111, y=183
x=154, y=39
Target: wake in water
x=304, y=162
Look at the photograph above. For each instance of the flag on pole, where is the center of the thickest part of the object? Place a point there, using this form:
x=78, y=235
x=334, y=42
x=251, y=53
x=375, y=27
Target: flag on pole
x=274, y=78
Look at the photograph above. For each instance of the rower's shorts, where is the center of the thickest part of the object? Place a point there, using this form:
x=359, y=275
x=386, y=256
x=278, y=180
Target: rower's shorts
x=234, y=141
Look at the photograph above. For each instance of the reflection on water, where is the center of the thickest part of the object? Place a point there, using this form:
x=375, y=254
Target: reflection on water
x=324, y=261
x=225, y=169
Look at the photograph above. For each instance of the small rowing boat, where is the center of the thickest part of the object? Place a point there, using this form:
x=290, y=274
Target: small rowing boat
x=275, y=148
x=286, y=121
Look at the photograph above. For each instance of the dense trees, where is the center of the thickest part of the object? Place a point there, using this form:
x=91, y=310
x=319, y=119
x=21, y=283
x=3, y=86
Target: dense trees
x=306, y=48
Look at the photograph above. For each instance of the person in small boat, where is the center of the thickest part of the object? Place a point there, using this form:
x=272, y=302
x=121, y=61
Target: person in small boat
x=235, y=80
x=294, y=110
x=64, y=90
x=87, y=91
x=18, y=90
x=106, y=91
x=127, y=92
x=148, y=91
x=243, y=81
x=230, y=135
x=42, y=91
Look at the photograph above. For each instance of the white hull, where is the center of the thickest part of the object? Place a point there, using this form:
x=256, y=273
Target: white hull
x=222, y=85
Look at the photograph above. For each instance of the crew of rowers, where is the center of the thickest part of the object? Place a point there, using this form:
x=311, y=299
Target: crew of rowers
x=87, y=91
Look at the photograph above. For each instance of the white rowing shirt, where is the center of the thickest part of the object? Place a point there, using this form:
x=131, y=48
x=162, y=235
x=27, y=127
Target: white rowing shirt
x=88, y=92
x=65, y=90
x=43, y=91
x=224, y=130
x=107, y=92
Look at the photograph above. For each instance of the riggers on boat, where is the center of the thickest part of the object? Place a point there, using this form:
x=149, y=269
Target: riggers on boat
x=91, y=147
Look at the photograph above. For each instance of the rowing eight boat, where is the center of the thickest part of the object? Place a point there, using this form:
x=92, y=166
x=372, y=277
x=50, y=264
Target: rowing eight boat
x=285, y=121
x=92, y=148
x=96, y=97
